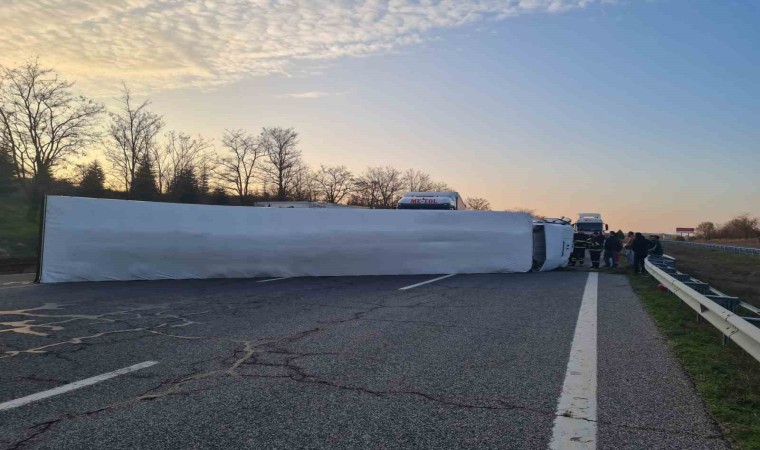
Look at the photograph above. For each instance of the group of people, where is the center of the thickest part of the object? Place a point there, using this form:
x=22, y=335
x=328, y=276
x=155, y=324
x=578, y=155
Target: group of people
x=636, y=246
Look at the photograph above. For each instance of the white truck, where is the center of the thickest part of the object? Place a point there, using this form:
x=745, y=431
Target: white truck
x=431, y=200
x=589, y=223
x=552, y=238
x=552, y=243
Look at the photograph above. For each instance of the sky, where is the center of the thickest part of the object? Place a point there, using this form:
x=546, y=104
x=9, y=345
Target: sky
x=647, y=112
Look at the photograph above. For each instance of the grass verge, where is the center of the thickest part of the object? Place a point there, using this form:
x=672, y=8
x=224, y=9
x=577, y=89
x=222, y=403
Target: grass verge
x=734, y=274
x=18, y=234
x=726, y=377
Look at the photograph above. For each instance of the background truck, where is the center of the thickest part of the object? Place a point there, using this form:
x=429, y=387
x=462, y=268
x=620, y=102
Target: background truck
x=588, y=223
x=431, y=200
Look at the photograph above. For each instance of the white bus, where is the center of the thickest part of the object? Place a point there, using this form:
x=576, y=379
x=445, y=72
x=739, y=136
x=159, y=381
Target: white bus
x=431, y=200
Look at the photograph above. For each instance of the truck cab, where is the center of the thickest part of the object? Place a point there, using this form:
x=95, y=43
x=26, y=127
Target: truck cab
x=589, y=223
x=552, y=243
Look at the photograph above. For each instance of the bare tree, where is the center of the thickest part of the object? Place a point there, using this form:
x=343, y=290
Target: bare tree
x=742, y=226
x=706, y=230
x=237, y=167
x=439, y=186
x=477, y=204
x=379, y=187
x=160, y=160
x=365, y=192
x=283, y=157
x=42, y=123
x=416, y=181
x=334, y=183
x=303, y=185
x=180, y=153
x=133, y=130
x=391, y=187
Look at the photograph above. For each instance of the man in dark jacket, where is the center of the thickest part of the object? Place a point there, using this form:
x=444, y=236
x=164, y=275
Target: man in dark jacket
x=612, y=247
x=595, y=245
x=655, y=247
x=640, y=247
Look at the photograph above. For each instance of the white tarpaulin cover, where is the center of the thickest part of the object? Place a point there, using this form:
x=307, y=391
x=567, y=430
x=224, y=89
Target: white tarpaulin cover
x=96, y=240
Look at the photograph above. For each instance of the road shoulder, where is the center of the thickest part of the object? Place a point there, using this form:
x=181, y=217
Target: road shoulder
x=725, y=376
x=646, y=399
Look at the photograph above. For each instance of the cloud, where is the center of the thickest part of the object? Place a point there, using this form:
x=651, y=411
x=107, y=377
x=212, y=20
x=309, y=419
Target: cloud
x=313, y=94
x=165, y=44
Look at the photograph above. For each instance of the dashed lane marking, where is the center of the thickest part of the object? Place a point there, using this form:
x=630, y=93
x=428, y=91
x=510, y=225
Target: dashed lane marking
x=73, y=386
x=426, y=282
x=272, y=279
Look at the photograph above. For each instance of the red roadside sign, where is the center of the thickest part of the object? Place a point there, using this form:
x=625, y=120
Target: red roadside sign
x=684, y=230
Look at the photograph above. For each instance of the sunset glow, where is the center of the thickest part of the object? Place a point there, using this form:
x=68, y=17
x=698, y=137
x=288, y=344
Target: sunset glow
x=645, y=111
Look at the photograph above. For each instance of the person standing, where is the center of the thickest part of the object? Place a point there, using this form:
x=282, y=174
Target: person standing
x=655, y=246
x=612, y=247
x=580, y=242
x=640, y=247
x=595, y=245
x=627, y=247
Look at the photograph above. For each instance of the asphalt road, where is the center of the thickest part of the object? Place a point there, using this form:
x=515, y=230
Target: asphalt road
x=345, y=362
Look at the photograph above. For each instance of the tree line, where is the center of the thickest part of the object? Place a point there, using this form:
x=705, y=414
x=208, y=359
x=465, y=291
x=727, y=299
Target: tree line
x=742, y=226
x=45, y=126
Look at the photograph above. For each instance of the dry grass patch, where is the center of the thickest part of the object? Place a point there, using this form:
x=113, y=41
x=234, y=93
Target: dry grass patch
x=734, y=274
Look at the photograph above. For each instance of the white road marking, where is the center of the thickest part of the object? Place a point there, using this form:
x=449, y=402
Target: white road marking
x=16, y=286
x=426, y=282
x=72, y=386
x=575, y=422
x=273, y=279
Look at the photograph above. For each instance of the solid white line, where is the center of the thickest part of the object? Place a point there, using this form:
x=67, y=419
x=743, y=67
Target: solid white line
x=72, y=386
x=575, y=422
x=273, y=279
x=426, y=282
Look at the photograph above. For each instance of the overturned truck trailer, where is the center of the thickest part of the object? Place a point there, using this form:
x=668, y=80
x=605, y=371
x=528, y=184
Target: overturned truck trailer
x=98, y=240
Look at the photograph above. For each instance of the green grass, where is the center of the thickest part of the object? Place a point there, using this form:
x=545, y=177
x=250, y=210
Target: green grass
x=18, y=235
x=726, y=377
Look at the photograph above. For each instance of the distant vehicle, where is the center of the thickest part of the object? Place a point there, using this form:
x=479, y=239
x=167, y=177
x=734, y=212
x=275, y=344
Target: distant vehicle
x=588, y=223
x=431, y=200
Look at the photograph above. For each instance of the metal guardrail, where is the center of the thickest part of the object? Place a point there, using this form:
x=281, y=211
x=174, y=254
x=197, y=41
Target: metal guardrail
x=716, y=295
x=723, y=248
x=739, y=329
